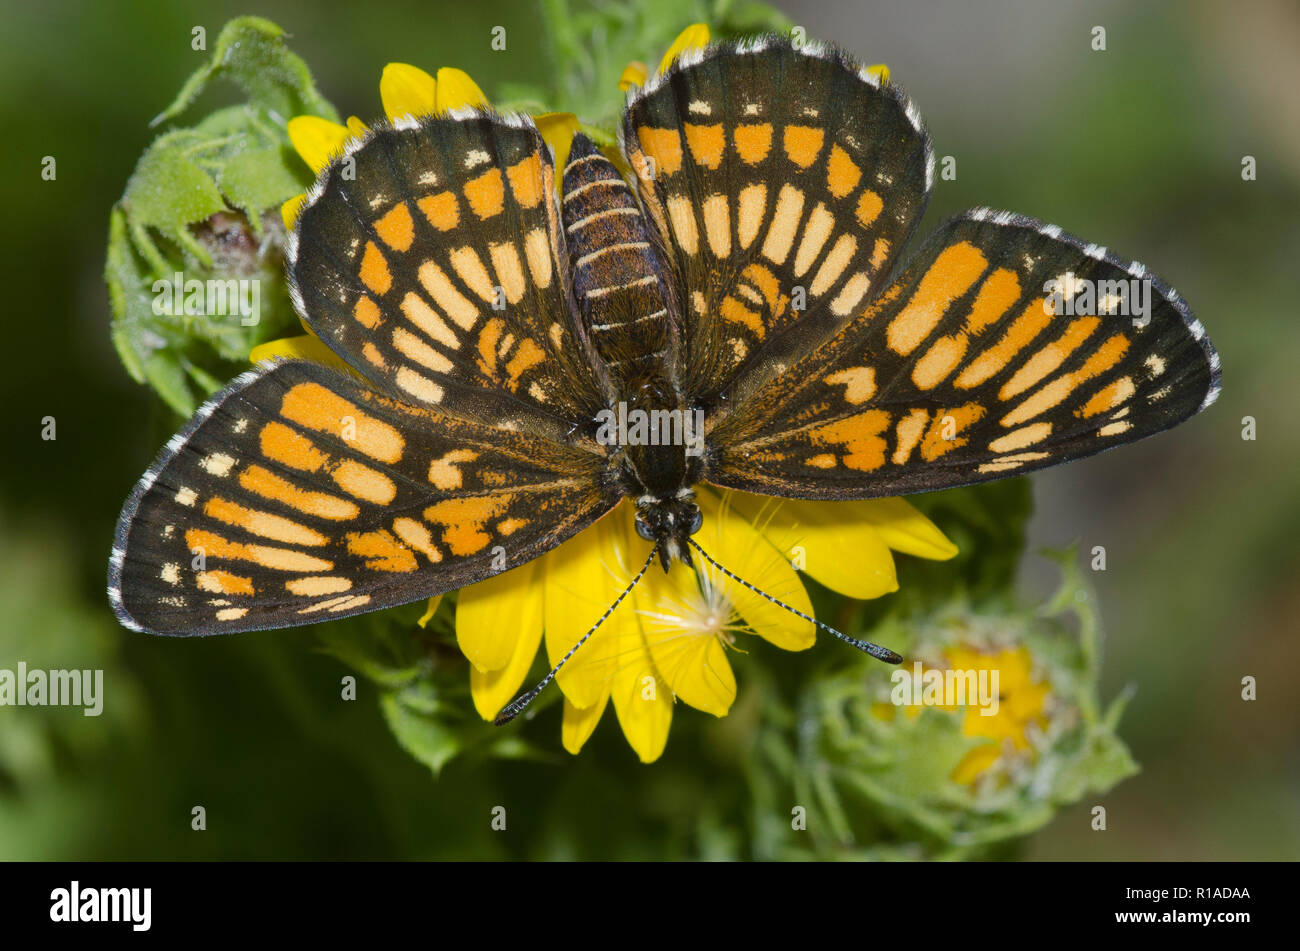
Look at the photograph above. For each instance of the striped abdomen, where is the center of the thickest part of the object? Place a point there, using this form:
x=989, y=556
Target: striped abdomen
x=618, y=275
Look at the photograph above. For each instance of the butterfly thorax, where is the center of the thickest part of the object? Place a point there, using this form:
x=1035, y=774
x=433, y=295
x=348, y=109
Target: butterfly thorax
x=620, y=282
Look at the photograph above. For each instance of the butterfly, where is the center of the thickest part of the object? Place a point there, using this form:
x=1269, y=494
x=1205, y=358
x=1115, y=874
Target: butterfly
x=744, y=295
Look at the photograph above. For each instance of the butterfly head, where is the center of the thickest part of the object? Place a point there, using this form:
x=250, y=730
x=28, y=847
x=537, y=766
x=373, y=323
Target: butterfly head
x=669, y=523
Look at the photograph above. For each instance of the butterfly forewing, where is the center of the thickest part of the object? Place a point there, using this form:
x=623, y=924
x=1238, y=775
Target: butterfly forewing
x=300, y=494
x=784, y=183
x=1005, y=346
x=430, y=257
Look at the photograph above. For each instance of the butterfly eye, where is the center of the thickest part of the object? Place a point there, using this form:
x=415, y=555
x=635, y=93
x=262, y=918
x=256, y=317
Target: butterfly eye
x=696, y=519
x=644, y=529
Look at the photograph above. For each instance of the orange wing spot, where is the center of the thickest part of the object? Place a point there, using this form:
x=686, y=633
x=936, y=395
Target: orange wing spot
x=859, y=383
x=824, y=460
x=526, y=357
x=939, y=361
x=281, y=444
x=277, y=559
x=707, y=143
x=907, y=434
x=267, y=484
x=443, y=471
x=415, y=536
x=737, y=312
x=363, y=482
x=842, y=175
x=275, y=527
x=768, y=285
x=999, y=291
x=317, y=587
x=508, y=526
x=319, y=408
x=396, y=227
x=753, y=141
x=949, y=423
x=427, y=319
x=373, y=356
x=1023, y=329
x=1106, y=356
x=486, y=194
x=442, y=210
x=382, y=551
x=1049, y=395
x=444, y=293
x=1020, y=438
x=859, y=436
x=951, y=275
x=1108, y=397
x=1050, y=357
x=223, y=582
x=869, y=207
x=662, y=145
x=802, y=143
x=879, y=253
x=488, y=339
x=367, y=313
x=526, y=180
x=374, y=270
x=464, y=520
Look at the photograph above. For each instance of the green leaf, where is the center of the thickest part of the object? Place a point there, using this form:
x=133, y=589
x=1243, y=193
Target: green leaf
x=420, y=732
x=250, y=52
x=203, y=203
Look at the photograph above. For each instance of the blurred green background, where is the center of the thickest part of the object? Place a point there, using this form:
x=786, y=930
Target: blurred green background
x=1138, y=147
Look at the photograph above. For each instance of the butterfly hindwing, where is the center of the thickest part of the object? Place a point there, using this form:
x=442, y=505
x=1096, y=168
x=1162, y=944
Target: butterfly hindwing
x=1004, y=346
x=784, y=182
x=299, y=494
x=430, y=256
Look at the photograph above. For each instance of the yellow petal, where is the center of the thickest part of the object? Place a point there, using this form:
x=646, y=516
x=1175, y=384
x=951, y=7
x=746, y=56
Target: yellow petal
x=832, y=542
x=692, y=661
x=430, y=611
x=730, y=538
x=357, y=127
x=694, y=36
x=557, y=128
x=975, y=762
x=317, y=140
x=306, y=347
x=634, y=74
x=642, y=700
x=880, y=71
x=492, y=615
x=903, y=528
x=406, y=90
x=492, y=690
x=579, y=723
x=289, y=210
x=455, y=90
x=583, y=577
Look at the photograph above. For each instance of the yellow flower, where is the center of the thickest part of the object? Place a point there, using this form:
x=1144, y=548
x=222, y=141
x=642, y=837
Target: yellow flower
x=669, y=640
x=1021, y=704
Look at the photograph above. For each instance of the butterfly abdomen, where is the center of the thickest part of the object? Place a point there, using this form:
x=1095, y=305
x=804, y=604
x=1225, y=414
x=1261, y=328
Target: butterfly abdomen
x=618, y=274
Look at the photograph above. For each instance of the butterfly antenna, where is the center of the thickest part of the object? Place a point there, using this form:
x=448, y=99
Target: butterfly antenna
x=517, y=705
x=875, y=650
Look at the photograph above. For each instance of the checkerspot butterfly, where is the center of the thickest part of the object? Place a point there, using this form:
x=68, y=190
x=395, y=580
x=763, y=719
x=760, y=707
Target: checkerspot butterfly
x=751, y=276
